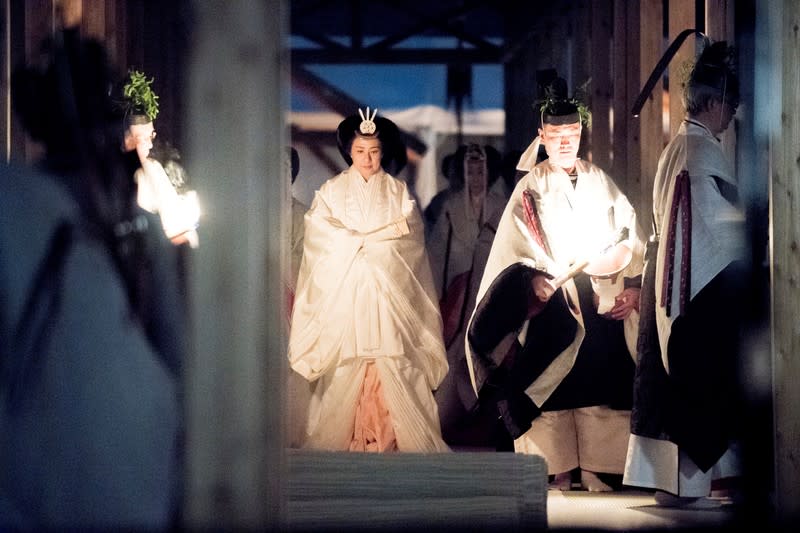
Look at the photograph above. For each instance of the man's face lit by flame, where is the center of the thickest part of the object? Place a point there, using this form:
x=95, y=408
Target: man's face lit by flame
x=561, y=143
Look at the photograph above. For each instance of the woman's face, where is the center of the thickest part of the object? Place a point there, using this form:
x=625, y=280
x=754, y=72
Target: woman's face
x=475, y=171
x=366, y=153
x=562, y=143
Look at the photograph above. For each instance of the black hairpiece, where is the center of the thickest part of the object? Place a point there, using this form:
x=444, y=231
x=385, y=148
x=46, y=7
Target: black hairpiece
x=715, y=67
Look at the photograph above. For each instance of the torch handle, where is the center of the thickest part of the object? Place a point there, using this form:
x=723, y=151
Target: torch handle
x=573, y=271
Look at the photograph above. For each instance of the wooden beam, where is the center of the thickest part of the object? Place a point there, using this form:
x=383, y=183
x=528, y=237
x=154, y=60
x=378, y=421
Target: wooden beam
x=650, y=127
x=396, y=56
x=316, y=141
x=356, y=24
x=341, y=102
x=719, y=26
x=93, y=24
x=785, y=200
x=322, y=40
x=445, y=21
x=602, y=86
x=719, y=20
x=236, y=377
x=626, y=166
x=682, y=16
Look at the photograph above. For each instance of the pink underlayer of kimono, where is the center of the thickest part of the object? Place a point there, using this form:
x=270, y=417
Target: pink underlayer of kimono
x=373, y=431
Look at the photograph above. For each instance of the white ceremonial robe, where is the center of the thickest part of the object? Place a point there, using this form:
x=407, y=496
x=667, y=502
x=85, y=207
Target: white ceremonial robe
x=717, y=240
x=179, y=213
x=577, y=221
x=717, y=226
x=365, y=294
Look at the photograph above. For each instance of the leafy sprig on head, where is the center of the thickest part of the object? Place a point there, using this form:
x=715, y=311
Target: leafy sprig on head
x=139, y=94
x=555, y=97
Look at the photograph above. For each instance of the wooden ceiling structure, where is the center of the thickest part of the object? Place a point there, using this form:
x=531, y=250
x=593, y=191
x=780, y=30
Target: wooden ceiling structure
x=359, y=32
x=456, y=33
x=375, y=31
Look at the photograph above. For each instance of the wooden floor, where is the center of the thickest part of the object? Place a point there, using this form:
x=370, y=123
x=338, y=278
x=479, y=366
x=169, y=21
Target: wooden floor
x=629, y=510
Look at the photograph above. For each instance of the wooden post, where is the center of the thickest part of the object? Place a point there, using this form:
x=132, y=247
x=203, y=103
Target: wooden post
x=719, y=24
x=650, y=127
x=719, y=20
x=236, y=377
x=601, y=87
x=627, y=164
x=682, y=16
x=785, y=192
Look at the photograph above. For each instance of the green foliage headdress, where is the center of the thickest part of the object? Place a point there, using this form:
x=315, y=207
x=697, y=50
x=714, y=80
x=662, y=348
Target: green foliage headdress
x=140, y=100
x=558, y=108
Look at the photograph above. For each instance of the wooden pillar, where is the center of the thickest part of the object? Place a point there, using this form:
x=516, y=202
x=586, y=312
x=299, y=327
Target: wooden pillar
x=236, y=377
x=650, y=121
x=719, y=20
x=719, y=26
x=602, y=84
x=626, y=137
x=26, y=24
x=519, y=72
x=785, y=198
x=682, y=16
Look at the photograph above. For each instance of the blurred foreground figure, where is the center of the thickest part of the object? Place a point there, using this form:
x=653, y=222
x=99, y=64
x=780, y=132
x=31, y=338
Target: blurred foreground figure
x=91, y=340
x=687, y=406
x=366, y=328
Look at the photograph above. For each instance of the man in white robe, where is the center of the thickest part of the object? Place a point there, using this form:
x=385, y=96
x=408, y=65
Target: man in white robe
x=365, y=313
x=179, y=212
x=559, y=372
x=687, y=403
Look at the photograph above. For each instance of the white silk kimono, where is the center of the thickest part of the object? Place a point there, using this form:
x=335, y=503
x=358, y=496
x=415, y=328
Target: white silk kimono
x=365, y=294
x=717, y=240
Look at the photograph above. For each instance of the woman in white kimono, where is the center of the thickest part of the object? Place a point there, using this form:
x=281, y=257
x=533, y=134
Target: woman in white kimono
x=452, y=240
x=366, y=328
x=687, y=406
x=558, y=368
